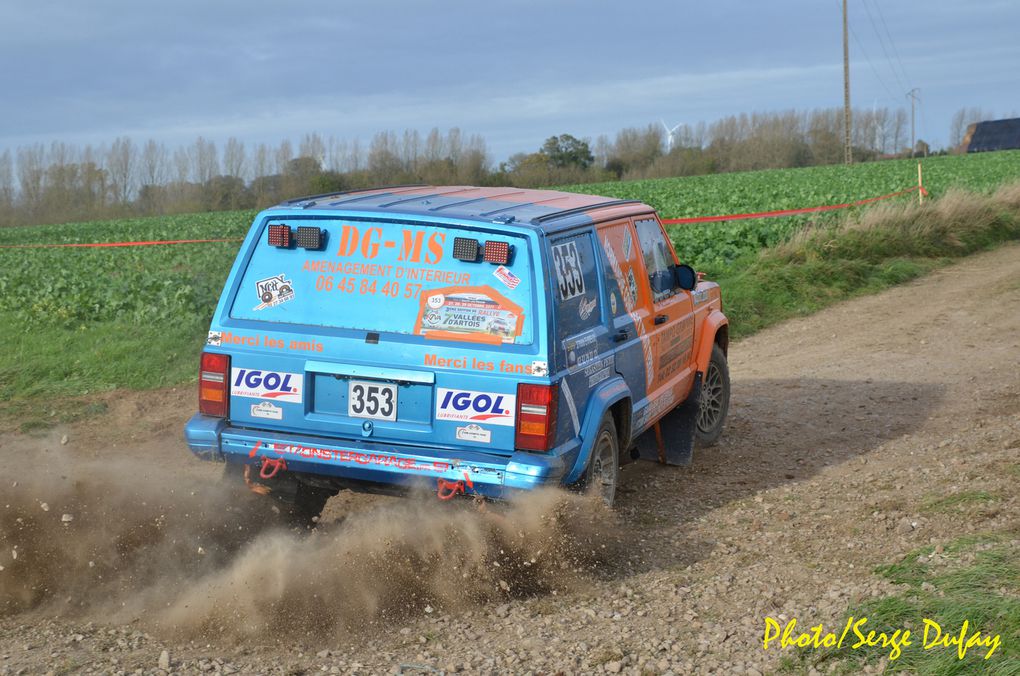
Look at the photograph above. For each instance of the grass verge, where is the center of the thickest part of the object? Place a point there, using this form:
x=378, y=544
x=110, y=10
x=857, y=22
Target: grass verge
x=49, y=372
x=887, y=245
x=974, y=579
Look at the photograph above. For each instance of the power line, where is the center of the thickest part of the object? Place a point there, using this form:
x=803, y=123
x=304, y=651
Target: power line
x=896, y=52
x=864, y=52
x=881, y=42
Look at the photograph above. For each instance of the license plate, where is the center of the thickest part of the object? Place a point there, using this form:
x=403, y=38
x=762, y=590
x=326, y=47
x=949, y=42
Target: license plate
x=371, y=399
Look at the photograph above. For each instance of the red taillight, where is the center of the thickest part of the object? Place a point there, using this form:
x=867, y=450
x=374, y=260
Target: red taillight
x=214, y=385
x=536, y=416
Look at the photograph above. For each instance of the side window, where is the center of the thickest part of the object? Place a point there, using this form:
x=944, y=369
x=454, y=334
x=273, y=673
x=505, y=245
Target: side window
x=575, y=284
x=658, y=259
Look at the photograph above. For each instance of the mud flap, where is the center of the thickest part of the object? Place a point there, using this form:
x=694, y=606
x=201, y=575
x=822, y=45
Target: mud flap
x=671, y=440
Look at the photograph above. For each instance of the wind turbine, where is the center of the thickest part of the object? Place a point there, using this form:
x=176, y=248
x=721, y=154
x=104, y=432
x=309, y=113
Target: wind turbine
x=669, y=135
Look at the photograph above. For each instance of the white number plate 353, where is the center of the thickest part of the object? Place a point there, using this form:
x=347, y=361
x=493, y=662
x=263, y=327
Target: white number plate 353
x=368, y=399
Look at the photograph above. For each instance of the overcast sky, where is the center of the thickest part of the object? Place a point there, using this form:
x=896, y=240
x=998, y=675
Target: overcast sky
x=515, y=72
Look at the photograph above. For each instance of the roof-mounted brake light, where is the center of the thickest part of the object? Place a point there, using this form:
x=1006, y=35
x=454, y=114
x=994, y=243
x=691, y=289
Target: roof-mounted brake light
x=494, y=251
x=466, y=249
x=279, y=235
x=498, y=253
x=311, y=238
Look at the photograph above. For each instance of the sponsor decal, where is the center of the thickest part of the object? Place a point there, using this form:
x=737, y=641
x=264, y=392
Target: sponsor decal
x=477, y=407
x=474, y=432
x=472, y=313
x=656, y=408
x=599, y=370
x=266, y=410
x=674, y=346
x=273, y=291
x=612, y=302
x=628, y=243
x=586, y=307
x=581, y=350
x=568, y=270
x=504, y=275
x=646, y=347
x=630, y=293
x=538, y=368
x=259, y=384
x=352, y=458
x=699, y=296
x=215, y=338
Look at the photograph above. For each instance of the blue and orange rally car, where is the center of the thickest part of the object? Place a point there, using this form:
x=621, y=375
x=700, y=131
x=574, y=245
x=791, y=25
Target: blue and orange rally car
x=476, y=341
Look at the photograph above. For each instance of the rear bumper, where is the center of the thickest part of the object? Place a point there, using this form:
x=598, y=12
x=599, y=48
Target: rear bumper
x=485, y=474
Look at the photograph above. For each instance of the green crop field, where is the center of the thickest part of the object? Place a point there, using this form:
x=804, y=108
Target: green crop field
x=715, y=245
x=79, y=321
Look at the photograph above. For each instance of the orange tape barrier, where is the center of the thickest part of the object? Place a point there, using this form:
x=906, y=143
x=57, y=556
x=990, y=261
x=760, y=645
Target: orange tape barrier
x=790, y=212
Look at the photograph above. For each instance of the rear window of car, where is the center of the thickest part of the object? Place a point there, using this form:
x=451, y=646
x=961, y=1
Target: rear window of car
x=392, y=278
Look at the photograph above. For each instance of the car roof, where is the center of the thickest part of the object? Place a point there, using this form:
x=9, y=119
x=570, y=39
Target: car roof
x=545, y=209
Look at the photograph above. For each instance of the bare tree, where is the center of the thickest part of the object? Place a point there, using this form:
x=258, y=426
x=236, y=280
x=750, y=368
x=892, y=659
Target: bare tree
x=383, y=158
x=312, y=146
x=154, y=163
x=204, y=160
x=234, y=158
x=7, y=215
x=435, y=149
x=357, y=158
x=284, y=154
x=182, y=166
x=30, y=175
x=336, y=154
x=120, y=165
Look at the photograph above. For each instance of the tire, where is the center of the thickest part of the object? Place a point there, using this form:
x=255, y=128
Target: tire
x=713, y=400
x=602, y=475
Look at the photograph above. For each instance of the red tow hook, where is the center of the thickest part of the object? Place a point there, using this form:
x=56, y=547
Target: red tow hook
x=271, y=467
x=446, y=490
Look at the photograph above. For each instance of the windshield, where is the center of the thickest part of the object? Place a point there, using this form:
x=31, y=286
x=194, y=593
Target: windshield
x=394, y=278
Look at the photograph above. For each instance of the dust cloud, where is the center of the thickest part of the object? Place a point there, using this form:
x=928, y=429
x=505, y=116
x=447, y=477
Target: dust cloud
x=128, y=540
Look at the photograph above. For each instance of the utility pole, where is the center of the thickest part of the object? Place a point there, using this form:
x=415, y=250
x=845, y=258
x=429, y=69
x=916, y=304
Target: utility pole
x=912, y=95
x=848, y=154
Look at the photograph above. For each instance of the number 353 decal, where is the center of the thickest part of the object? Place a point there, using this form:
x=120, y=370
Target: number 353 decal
x=372, y=400
x=568, y=270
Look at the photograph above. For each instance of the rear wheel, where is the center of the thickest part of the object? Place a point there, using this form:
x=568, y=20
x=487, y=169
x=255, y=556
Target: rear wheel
x=714, y=399
x=603, y=472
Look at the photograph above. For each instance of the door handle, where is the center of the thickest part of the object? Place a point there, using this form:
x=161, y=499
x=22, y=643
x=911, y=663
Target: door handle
x=621, y=336
x=661, y=319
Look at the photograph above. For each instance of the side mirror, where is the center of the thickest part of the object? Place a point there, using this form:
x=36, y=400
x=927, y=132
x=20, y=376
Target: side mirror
x=685, y=276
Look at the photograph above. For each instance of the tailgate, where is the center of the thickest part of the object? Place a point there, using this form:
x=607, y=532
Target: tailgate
x=379, y=403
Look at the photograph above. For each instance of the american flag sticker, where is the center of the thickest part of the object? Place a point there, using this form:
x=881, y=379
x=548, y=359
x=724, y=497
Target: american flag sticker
x=507, y=277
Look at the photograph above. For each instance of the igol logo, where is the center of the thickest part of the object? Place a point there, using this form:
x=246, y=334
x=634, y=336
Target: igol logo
x=488, y=407
x=266, y=384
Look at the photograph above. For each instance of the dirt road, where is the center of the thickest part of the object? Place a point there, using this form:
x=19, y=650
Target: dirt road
x=844, y=426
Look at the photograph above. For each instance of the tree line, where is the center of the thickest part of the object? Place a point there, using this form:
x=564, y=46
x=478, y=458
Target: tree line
x=65, y=182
